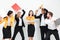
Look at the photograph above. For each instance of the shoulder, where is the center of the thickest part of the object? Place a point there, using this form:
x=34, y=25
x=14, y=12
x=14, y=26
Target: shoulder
x=27, y=17
x=46, y=19
x=15, y=16
x=5, y=17
x=54, y=18
x=33, y=17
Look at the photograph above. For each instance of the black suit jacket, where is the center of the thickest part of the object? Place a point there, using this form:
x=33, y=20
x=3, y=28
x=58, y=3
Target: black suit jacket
x=17, y=19
x=45, y=16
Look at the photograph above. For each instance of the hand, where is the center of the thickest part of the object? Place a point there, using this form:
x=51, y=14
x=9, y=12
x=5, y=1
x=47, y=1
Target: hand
x=0, y=18
x=41, y=6
x=36, y=11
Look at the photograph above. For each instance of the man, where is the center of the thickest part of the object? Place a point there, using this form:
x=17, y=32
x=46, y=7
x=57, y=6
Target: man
x=19, y=25
x=52, y=29
x=42, y=18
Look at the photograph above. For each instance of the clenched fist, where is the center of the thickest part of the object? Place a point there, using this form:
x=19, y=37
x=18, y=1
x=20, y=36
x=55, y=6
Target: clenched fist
x=36, y=11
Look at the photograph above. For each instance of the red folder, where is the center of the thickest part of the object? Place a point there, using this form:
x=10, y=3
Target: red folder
x=16, y=7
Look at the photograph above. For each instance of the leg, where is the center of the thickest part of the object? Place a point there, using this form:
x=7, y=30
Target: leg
x=4, y=33
x=31, y=31
x=48, y=35
x=42, y=33
x=15, y=33
x=22, y=33
x=46, y=30
x=56, y=34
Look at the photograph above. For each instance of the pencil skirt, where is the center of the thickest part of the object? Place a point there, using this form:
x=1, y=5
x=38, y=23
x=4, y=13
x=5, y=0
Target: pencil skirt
x=7, y=32
x=31, y=30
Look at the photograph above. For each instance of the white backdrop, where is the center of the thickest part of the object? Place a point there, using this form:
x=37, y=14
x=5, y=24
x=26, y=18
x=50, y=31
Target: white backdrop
x=51, y=5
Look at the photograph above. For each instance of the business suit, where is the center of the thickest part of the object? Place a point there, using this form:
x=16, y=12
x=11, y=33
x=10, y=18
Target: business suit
x=19, y=28
x=42, y=28
x=7, y=28
x=31, y=27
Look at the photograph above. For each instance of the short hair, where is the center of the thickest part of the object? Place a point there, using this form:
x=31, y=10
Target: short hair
x=50, y=13
x=32, y=13
x=9, y=12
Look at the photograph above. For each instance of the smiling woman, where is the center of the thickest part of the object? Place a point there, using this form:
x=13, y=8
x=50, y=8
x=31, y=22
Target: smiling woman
x=31, y=28
x=5, y=5
x=7, y=25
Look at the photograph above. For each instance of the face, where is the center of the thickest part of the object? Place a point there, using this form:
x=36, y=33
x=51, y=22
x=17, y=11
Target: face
x=19, y=14
x=48, y=15
x=11, y=15
x=31, y=13
x=42, y=11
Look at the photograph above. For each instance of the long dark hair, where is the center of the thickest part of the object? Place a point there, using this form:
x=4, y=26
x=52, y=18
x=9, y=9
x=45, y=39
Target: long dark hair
x=44, y=9
x=32, y=13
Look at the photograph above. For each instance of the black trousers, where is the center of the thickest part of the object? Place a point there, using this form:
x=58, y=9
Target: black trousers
x=18, y=29
x=54, y=32
x=43, y=31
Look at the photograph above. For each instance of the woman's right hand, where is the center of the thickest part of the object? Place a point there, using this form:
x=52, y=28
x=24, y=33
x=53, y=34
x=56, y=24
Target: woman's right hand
x=36, y=11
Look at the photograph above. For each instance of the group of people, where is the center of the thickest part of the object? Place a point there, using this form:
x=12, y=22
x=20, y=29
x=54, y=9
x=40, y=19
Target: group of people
x=47, y=25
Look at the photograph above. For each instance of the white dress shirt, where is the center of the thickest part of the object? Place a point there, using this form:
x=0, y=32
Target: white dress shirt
x=51, y=24
x=20, y=22
x=42, y=21
x=8, y=21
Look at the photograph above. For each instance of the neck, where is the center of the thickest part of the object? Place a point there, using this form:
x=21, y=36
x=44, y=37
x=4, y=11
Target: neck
x=30, y=16
x=8, y=16
x=17, y=16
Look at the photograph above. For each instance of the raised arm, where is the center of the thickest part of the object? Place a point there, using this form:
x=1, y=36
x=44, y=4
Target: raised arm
x=36, y=13
x=2, y=20
x=23, y=13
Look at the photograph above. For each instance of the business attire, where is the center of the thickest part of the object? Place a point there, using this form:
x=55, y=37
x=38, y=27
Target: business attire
x=8, y=23
x=43, y=26
x=51, y=29
x=31, y=27
x=19, y=26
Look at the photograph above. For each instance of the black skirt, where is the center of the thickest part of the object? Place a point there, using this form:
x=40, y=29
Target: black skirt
x=31, y=30
x=7, y=32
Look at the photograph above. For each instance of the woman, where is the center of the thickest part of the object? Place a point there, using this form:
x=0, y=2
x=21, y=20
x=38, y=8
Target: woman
x=8, y=23
x=31, y=28
x=19, y=25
